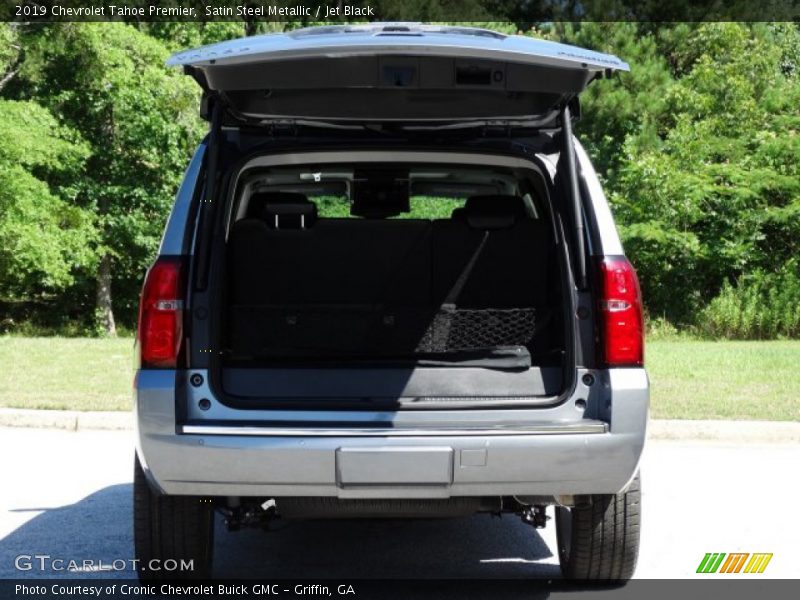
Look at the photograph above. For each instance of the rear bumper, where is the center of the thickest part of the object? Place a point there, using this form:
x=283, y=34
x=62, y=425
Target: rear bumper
x=544, y=458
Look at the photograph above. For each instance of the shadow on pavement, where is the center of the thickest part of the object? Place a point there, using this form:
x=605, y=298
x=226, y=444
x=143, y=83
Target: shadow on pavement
x=470, y=547
x=98, y=527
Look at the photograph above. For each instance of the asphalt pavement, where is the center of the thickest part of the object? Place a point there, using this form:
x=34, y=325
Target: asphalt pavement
x=68, y=495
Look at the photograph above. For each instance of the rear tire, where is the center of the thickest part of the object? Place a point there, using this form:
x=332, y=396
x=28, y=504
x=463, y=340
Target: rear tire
x=180, y=528
x=599, y=537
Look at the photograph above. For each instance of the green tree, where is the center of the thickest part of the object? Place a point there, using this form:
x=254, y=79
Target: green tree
x=707, y=203
x=109, y=82
x=179, y=35
x=9, y=53
x=44, y=236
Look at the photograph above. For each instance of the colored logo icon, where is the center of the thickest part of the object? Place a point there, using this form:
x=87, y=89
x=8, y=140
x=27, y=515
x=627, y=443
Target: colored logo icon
x=737, y=562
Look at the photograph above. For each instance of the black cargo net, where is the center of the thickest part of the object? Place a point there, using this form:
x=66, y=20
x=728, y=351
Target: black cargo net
x=468, y=329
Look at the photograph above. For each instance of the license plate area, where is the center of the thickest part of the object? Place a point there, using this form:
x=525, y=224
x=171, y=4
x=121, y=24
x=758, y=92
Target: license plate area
x=410, y=466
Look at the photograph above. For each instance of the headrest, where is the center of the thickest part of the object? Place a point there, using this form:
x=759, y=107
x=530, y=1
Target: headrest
x=283, y=210
x=492, y=211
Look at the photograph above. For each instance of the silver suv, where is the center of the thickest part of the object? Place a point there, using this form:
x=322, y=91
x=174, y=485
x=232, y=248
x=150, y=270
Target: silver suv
x=391, y=286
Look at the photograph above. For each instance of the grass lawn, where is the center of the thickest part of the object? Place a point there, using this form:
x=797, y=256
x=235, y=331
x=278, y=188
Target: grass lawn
x=724, y=380
x=690, y=379
x=66, y=373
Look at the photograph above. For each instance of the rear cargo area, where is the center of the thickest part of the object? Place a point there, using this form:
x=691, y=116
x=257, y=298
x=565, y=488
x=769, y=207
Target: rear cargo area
x=393, y=283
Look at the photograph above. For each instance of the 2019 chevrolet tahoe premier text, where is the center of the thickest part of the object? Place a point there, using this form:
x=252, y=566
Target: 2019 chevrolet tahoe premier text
x=391, y=286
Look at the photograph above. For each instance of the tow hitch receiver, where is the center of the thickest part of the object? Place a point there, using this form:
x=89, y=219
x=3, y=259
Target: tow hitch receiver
x=535, y=516
x=238, y=515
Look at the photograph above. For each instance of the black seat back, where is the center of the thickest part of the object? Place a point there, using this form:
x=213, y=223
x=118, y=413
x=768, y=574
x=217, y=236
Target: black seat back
x=326, y=287
x=511, y=250
x=370, y=288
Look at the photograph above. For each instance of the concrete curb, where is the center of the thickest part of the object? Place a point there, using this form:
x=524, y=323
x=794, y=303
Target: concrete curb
x=736, y=432
x=70, y=420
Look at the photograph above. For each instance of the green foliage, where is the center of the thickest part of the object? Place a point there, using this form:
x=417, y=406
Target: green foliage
x=667, y=261
x=760, y=306
x=332, y=207
x=33, y=139
x=178, y=35
x=430, y=207
x=661, y=329
x=109, y=82
x=9, y=48
x=717, y=196
x=44, y=237
x=422, y=207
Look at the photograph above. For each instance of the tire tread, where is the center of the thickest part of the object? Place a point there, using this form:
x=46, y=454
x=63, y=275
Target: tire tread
x=170, y=527
x=604, y=541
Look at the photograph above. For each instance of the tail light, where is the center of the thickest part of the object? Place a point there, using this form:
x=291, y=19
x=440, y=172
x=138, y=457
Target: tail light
x=620, y=310
x=161, y=314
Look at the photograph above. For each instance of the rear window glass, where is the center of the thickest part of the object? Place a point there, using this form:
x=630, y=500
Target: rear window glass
x=422, y=207
x=409, y=191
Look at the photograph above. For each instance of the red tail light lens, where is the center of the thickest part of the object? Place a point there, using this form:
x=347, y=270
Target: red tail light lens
x=620, y=310
x=161, y=314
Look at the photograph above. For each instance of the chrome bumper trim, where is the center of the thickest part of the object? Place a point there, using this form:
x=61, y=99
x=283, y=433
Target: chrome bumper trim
x=587, y=427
